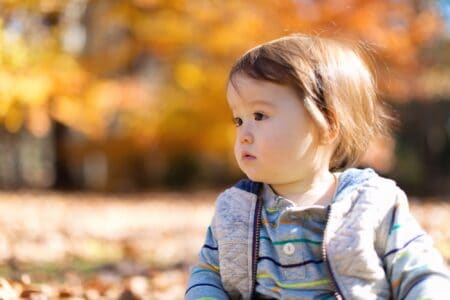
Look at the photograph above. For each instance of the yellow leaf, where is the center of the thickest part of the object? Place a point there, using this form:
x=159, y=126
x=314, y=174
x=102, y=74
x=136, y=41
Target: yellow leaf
x=188, y=75
x=33, y=90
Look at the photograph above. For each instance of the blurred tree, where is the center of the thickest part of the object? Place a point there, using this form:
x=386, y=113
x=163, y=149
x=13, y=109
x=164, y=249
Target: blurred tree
x=151, y=74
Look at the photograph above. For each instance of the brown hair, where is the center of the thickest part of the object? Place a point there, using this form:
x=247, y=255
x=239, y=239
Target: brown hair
x=333, y=80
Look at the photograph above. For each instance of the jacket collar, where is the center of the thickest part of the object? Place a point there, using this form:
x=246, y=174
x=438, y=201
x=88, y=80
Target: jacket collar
x=349, y=180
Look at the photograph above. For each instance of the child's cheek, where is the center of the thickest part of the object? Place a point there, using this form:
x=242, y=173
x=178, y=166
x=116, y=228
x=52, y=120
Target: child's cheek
x=278, y=139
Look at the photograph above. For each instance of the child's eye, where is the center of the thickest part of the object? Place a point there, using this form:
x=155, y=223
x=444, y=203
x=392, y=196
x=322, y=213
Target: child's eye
x=259, y=116
x=237, y=121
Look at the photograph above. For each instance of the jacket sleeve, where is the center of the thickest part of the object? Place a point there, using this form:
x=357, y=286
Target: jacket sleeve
x=414, y=268
x=204, y=281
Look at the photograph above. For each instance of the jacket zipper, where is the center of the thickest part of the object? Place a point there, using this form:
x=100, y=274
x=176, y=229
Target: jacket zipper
x=338, y=293
x=255, y=253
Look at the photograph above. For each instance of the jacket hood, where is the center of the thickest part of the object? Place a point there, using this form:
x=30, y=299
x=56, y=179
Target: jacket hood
x=352, y=179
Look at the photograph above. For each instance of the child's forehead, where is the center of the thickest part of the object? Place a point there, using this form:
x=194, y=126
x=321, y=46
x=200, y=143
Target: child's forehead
x=241, y=78
x=253, y=93
x=251, y=103
x=241, y=83
x=244, y=86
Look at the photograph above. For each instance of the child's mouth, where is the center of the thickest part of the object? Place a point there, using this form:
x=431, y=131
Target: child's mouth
x=247, y=156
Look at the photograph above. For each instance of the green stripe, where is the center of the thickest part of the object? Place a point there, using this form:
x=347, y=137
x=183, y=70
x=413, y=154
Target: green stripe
x=402, y=224
x=302, y=240
x=395, y=227
x=271, y=210
x=297, y=241
x=400, y=254
x=294, y=285
x=204, y=270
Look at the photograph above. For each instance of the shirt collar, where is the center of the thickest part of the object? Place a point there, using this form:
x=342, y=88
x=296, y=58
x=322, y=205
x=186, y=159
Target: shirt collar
x=274, y=201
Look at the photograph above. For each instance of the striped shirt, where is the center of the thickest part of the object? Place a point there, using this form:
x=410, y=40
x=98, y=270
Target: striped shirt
x=290, y=263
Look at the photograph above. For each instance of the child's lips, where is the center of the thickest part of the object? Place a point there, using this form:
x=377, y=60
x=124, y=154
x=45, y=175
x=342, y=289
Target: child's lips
x=248, y=156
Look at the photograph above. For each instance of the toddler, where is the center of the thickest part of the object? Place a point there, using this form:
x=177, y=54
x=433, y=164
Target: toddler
x=297, y=228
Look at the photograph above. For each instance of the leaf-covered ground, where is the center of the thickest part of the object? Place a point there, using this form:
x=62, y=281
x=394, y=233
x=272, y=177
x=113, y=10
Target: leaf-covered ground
x=88, y=246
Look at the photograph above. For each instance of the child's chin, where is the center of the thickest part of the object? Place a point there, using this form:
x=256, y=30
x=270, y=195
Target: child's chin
x=254, y=177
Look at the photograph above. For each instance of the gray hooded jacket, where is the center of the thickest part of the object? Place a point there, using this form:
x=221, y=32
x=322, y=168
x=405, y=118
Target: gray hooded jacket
x=373, y=247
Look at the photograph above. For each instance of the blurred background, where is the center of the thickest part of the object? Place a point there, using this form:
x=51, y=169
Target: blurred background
x=121, y=96
x=114, y=112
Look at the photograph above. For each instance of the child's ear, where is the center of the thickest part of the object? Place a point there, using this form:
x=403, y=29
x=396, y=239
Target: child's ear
x=327, y=132
x=329, y=135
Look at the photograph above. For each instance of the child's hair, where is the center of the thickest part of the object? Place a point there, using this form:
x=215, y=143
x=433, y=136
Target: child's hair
x=334, y=83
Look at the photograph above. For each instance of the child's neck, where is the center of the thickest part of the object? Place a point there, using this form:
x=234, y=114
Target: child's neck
x=318, y=190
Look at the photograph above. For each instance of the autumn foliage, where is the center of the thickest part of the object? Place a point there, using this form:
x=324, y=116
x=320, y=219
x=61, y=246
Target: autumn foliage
x=152, y=73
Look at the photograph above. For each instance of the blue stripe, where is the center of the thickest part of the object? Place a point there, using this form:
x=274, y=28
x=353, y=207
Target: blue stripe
x=210, y=247
x=202, y=284
x=394, y=213
x=306, y=262
x=401, y=248
x=204, y=270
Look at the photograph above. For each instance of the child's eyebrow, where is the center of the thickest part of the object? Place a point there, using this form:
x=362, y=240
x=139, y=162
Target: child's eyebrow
x=257, y=102
x=261, y=102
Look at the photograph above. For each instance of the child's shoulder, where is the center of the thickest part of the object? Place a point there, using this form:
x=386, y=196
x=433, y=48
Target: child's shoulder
x=241, y=188
x=234, y=210
x=242, y=192
x=365, y=185
x=365, y=179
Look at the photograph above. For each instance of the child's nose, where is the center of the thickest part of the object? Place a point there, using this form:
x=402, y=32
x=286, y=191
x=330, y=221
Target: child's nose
x=245, y=136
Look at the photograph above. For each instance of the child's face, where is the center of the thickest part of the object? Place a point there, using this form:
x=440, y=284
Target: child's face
x=276, y=138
